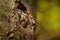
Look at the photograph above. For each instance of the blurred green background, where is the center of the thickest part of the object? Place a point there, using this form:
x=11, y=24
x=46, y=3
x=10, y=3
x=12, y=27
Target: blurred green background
x=48, y=18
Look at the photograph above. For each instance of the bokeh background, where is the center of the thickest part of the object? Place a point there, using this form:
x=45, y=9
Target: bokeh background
x=48, y=20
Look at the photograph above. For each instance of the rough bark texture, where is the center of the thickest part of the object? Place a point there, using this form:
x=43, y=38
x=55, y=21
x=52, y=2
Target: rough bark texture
x=16, y=24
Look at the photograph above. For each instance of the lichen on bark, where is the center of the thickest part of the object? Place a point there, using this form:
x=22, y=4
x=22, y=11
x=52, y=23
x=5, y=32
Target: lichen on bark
x=15, y=23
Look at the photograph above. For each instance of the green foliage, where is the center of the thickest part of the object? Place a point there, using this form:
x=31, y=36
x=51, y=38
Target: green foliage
x=50, y=20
